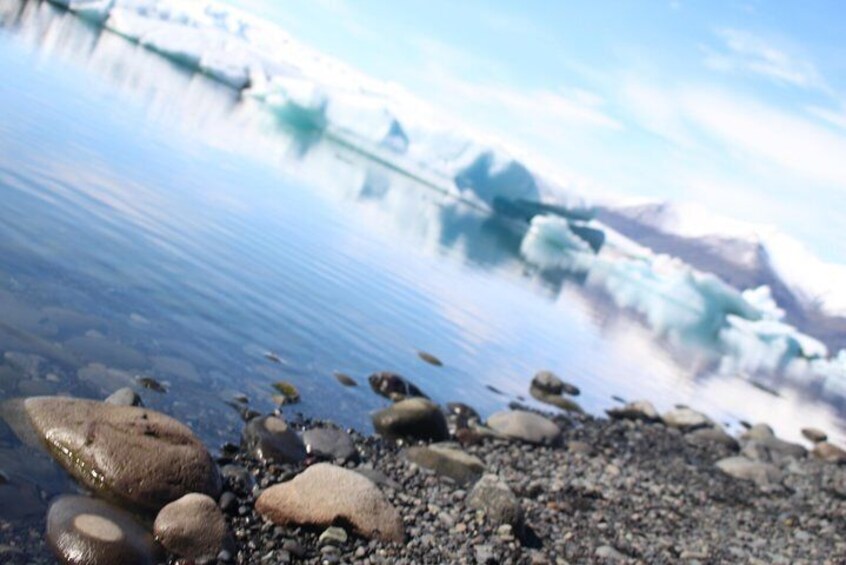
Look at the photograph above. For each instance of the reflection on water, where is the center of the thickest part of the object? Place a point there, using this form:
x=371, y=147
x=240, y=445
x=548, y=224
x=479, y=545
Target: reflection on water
x=153, y=224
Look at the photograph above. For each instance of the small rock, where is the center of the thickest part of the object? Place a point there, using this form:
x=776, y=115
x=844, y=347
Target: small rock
x=87, y=530
x=763, y=474
x=288, y=393
x=448, y=462
x=429, y=358
x=758, y=432
x=270, y=356
x=125, y=397
x=637, y=410
x=712, y=436
x=270, y=439
x=345, y=379
x=772, y=449
x=192, y=527
x=609, y=553
x=525, y=426
x=555, y=400
x=151, y=384
x=378, y=477
x=238, y=478
x=549, y=383
x=393, y=386
x=829, y=453
x=333, y=536
x=330, y=443
x=323, y=494
x=499, y=503
x=814, y=435
x=686, y=419
x=416, y=418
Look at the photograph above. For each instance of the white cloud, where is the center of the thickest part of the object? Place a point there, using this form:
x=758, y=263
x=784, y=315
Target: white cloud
x=778, y=137
x=834, y=117
x=743, y=51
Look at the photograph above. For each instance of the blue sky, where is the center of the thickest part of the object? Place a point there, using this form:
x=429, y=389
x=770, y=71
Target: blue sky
x=736, y=105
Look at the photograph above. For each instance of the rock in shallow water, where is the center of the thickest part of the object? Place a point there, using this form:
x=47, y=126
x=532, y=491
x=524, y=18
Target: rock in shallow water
x=193, y=527
x=87, y=531
x=136, y=456
x=270, y=439
x=415, y=418
x=323, y=494
x=814, y=435
x=393, y=386
x=549, y=383
x=446, y=461
x=525, y=426
x=637, y=410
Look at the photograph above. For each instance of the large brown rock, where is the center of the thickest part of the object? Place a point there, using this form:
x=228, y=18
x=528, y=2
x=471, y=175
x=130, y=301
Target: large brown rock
x=87, y=531
x=324, y=494
x=135, y=456
x=192, y=527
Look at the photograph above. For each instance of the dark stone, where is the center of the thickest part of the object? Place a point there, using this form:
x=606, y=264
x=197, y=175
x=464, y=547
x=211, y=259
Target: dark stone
x=430, y=359
x=330, y=443
x=393, y=386
x=549, y=383
x=270, y=439
x=345, y=379
x=415, y=418
x=152, y=384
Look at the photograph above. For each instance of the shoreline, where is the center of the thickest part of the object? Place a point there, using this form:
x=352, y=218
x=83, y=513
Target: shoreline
x=634, y=487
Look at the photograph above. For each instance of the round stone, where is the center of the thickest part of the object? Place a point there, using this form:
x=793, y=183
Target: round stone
x=83, y=530
x=192, y=527
x=270, y=439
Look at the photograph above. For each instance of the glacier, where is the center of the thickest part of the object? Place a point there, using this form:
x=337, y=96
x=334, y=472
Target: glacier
x=702, y=282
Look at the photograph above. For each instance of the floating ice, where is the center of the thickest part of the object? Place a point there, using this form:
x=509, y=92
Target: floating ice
x=551, y=244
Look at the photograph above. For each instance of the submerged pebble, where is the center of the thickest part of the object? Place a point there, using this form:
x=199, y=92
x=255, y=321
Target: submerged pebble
x=430, y=359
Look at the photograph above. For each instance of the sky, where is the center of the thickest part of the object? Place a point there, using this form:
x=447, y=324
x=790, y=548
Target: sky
x=739, y=106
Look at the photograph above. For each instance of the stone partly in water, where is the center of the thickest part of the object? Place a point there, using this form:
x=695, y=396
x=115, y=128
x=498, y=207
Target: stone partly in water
x=415, y=418
x=270, y=439
x=446, y=461
x=772, y=449
x=638, y=410
x=686, y=419
x=288, y=393
x=137, y=456
x=497, y=500
x=549, y=383
x=83, y=530
x=193, y=527
x=124, y=397
x=152, y=384
x=555, y=400
x=525, y=426
x=393, y=386
x=829, y=453
x=325, y=495
x=430, y=359
x=345, y=379
x=331, y=444
x=763, y=474
x=814, y=435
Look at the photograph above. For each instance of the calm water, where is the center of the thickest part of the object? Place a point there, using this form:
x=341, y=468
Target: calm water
x=153, y=224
